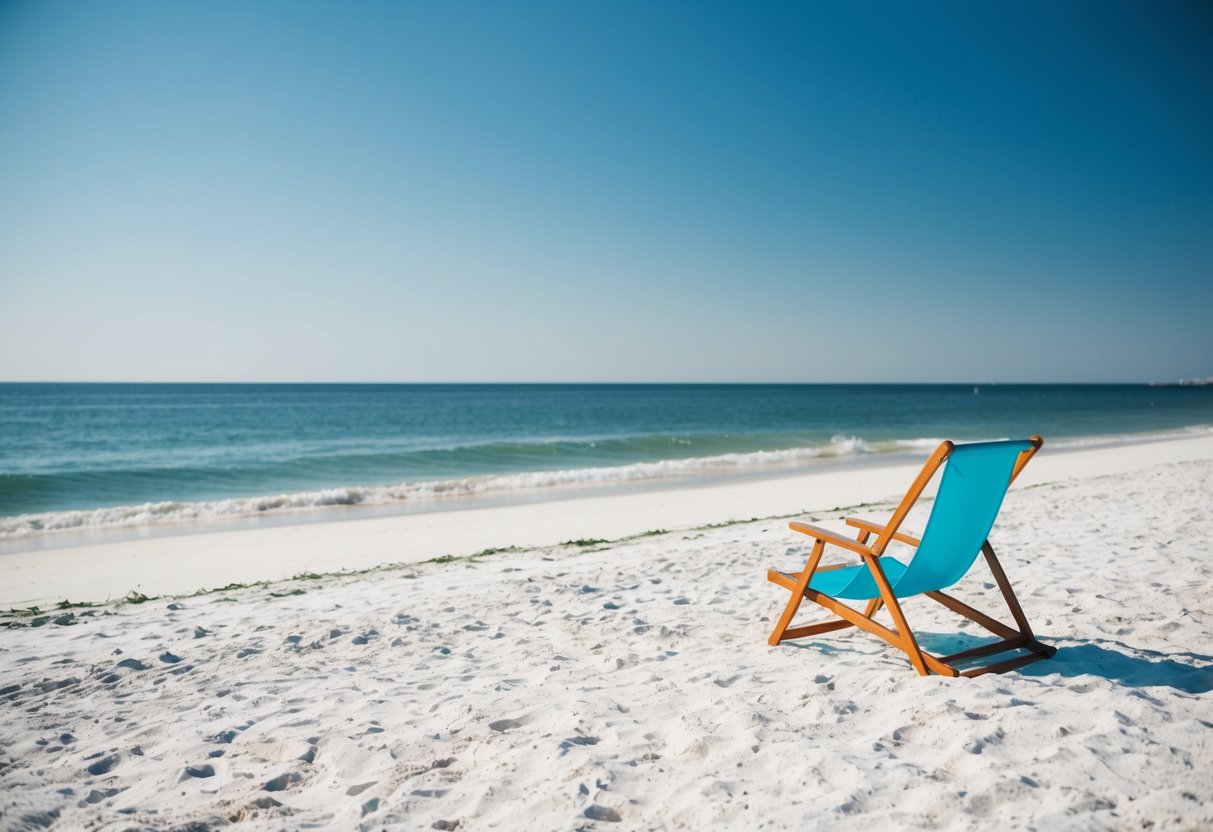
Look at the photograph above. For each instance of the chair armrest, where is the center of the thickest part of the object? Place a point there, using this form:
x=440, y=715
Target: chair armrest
x=877, y=528
x=827, y=536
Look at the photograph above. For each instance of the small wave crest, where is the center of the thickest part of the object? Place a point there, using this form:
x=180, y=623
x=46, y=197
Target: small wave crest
x=1077, y=442
x=489, y=485
x=466, y=487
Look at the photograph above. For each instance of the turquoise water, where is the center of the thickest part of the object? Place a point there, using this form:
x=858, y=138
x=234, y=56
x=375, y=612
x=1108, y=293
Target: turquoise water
x=74, y=455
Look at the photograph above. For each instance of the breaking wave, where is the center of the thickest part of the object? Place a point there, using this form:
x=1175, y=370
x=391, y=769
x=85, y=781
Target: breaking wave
x=485, y=485
x=501, y=484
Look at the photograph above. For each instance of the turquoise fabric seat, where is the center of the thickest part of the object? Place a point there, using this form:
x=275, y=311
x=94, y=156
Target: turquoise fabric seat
x=855, y=582
x=975, y=480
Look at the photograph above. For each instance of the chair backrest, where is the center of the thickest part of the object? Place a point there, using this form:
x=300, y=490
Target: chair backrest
x=975, y=480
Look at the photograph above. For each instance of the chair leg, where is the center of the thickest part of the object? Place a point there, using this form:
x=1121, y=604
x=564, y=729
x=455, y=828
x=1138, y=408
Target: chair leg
x=793, y=605
x=1008, y=594
x=908, y=643
x=1021, y=639
x=839, y=623
x=902, y=637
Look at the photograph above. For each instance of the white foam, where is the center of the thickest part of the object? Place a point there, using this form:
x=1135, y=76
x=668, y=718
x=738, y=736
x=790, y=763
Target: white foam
x=476, y=486
x=497, y=484
x=1188, y=432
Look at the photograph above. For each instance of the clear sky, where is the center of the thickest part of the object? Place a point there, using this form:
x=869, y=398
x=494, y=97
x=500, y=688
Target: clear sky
x=613, y=191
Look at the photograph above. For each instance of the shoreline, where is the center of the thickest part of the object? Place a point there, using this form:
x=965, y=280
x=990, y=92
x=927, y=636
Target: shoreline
x=69, y=527
x=69, y=538
x=180, y=564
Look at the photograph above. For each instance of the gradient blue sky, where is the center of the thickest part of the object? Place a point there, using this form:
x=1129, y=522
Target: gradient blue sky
x=294, y=191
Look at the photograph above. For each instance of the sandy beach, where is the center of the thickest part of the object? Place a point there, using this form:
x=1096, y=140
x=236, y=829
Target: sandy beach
x=622, y=679
x=403, y=408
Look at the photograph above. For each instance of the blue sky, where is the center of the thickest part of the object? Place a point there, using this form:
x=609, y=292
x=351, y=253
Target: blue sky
x=614, y=191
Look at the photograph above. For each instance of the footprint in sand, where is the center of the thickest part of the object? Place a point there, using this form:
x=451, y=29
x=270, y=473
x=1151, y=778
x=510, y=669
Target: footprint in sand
x=97, y=795
x=979, y=745
x=566, y=745
x=49, y=685
x=222, y=737
x=103, y=766
x=596, y=812
x=283, y=781
x=501, y=725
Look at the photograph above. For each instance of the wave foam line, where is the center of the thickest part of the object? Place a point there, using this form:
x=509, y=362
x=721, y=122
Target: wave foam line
x=491, y=484
x=474, y=486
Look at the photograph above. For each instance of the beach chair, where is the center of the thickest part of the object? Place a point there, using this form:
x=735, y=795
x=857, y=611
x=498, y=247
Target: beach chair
x=975, y=480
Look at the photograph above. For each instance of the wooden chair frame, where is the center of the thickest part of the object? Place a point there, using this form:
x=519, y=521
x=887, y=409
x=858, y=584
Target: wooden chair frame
x=901, y=636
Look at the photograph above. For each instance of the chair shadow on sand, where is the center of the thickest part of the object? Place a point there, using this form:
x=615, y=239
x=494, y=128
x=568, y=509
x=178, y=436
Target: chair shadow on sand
x=1112, y=660
x=1186, y=671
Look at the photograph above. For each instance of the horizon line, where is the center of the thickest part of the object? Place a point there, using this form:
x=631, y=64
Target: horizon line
x=1185, y=382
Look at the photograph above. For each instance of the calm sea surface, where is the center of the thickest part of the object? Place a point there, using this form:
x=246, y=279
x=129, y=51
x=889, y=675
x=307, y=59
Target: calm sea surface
x=82, y=455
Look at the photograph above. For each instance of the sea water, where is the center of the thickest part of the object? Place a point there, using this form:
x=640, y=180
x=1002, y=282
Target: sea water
x=79, y=456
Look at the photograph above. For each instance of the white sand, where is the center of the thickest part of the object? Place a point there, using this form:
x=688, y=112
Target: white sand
x=561, y=688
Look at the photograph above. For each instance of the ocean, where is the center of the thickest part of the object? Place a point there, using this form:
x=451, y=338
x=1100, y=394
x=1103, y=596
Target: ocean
x=96, y=456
